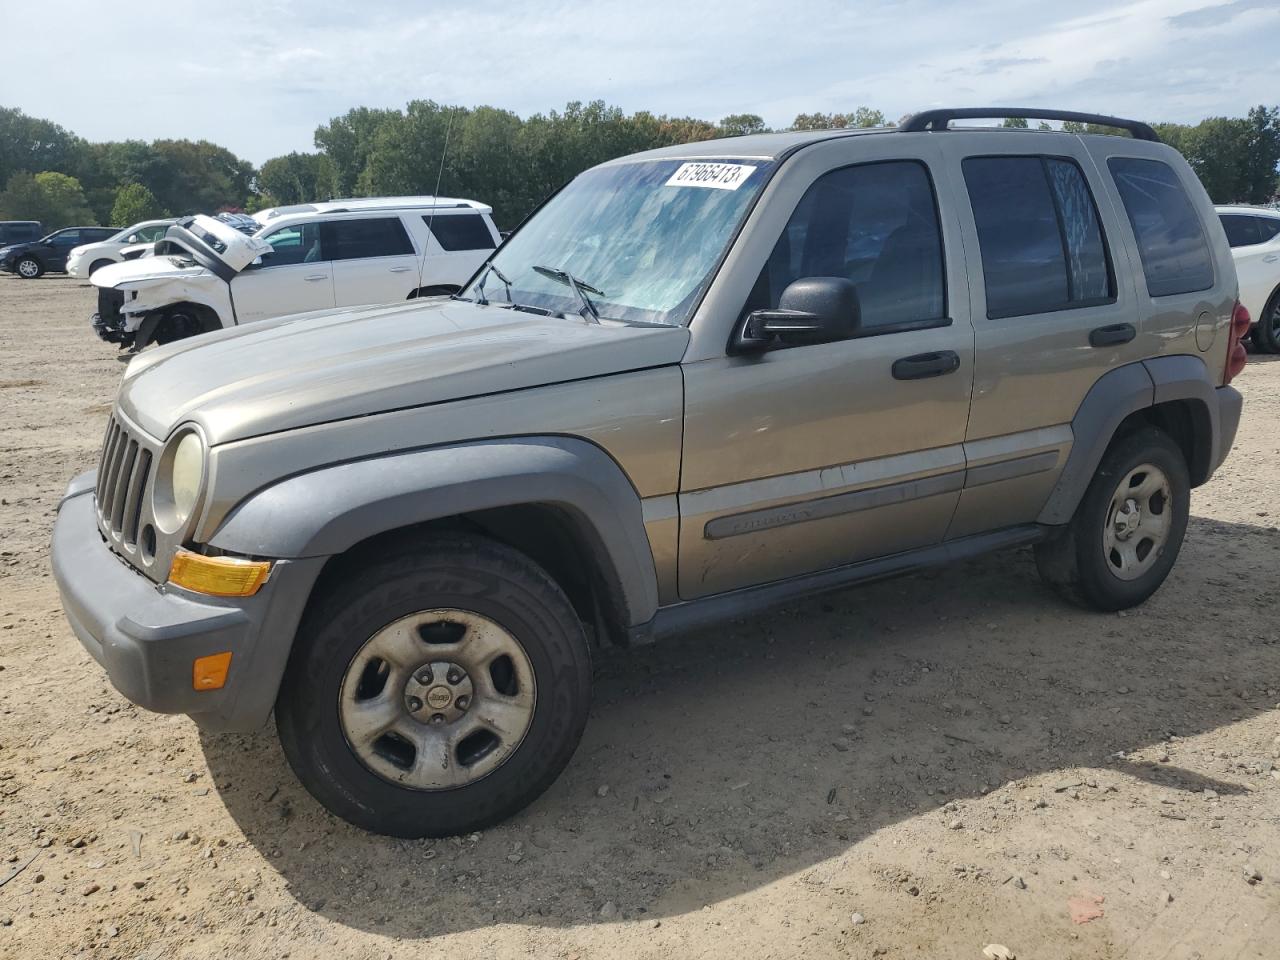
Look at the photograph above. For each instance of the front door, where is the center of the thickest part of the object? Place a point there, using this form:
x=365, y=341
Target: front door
x=807, y=457
x=295, y=277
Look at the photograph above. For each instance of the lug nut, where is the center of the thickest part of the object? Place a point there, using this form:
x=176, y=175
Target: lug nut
x=414, y=704
x=454, y=676
x=437, y=718
x=462, y=703
x=424, y=677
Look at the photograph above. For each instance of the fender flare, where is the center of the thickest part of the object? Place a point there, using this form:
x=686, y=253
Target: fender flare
x=1118, y=394
x=325, y=512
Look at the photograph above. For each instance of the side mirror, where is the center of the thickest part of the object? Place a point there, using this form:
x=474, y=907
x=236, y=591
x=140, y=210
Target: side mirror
x=811, y=310
x=132, y=238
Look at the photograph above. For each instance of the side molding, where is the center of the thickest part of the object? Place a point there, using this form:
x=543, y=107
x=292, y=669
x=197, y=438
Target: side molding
x=327, y=511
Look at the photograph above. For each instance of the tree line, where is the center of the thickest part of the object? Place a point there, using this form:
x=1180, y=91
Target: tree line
x=493, y=155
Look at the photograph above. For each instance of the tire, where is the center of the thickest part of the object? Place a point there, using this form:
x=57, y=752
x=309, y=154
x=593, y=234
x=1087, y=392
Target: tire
x=29, y=268
x=98, y=265
x=178, y=323
x=462, y=592
x=1266, y=332
x=1098, y=560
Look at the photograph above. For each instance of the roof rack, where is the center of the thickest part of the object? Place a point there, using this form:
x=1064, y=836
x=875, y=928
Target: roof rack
x=938, y=119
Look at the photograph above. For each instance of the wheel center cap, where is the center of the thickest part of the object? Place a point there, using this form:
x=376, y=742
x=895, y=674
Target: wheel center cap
x=439, y=697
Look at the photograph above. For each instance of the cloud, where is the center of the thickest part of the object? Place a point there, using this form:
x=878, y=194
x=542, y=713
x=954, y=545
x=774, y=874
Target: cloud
x=264, y=73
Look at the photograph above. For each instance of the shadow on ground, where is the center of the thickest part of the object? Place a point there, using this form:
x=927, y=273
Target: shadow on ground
x=737, y=756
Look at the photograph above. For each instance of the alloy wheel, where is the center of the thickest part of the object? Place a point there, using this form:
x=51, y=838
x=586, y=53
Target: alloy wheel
x=438, y=699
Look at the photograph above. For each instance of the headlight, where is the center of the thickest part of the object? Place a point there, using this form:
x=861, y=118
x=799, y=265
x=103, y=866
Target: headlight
x=178, y=481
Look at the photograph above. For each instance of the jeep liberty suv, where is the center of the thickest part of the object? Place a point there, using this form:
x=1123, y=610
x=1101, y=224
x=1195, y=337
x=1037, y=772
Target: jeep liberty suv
x=700, y=381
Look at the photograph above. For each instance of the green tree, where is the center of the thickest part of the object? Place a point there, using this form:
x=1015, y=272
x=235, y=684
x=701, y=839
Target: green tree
x=740, y=125
x=1015, y=123
x=135, y=203
x=347, y=140
x=196, y=176
x=30, y=144
x=861, y=117
x=298, y=178
x=55, y=199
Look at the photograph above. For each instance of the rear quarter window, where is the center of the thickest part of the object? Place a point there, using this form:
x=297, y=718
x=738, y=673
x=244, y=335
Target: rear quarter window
x=1268, y=227
x=1241, y=231
x=1171, y=241
x=460, y=231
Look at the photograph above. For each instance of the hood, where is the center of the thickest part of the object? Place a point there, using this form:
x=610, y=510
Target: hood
x=131, y=273
x=295, y=371
x=217, y=244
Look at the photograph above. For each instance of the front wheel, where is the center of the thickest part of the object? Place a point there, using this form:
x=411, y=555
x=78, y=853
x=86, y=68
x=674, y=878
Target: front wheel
x=1127, y=531
x=29, y=268
x=436, y=692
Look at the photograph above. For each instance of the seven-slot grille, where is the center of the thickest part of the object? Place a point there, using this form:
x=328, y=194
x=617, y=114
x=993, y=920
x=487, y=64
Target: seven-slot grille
x=122, y=479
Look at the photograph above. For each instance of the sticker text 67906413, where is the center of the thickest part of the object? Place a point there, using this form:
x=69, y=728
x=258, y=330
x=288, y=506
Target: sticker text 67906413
x=718, y=176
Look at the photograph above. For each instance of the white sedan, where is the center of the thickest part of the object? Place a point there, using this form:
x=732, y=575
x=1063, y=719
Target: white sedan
x=1254, y=235
x=84, y=260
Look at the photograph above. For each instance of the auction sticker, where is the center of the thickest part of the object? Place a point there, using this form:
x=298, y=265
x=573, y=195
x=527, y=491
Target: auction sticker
x=718, y=176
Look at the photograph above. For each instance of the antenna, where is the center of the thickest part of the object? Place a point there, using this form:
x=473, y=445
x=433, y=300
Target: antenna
x=435, y=194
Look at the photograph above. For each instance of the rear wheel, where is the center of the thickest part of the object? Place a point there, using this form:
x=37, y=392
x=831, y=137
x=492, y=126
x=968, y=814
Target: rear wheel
x=1127, y=531
x=29, y=268
x=1266, y=332
x=436, y=692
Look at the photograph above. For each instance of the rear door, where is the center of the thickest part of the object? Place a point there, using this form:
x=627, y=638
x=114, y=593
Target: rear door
x=459, y=241
x=1256, y=251
x=1049, y=315
x=374, y=260
x=294, y=278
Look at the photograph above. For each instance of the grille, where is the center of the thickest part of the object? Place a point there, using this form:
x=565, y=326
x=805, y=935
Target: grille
x=122, y=478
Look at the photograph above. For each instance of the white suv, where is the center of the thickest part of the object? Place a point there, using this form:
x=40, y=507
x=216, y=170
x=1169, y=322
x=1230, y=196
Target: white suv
x=88, y=258
x=1254, y=235
x=207, y=273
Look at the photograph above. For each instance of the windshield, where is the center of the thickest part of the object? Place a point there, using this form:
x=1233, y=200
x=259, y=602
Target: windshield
x=643, y=236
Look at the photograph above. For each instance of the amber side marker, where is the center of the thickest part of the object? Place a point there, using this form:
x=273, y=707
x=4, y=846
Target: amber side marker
x=218, y=576
x=210, y=673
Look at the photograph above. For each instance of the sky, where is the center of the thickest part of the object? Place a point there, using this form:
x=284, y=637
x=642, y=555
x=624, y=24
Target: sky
x=259, y=77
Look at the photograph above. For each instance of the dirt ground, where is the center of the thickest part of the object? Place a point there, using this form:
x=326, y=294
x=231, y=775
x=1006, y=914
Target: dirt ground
x=956, y=758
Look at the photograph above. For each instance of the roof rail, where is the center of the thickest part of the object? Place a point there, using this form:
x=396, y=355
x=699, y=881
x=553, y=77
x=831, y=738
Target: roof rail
x=938, y=119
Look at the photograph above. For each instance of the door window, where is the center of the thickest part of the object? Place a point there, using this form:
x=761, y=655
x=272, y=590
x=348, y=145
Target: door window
x=67, y=238
x=460, y=231
x=1171, y=241
x=362, y=239
x=299, y=243
x=877, y=225
x=1241, y=231
x=1039, y=235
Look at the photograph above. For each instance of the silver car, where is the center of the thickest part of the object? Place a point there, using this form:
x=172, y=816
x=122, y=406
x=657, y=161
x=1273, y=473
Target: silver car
x=699, y=382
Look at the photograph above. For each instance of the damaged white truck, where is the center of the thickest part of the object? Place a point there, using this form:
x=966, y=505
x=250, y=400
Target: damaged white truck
x=207, y=274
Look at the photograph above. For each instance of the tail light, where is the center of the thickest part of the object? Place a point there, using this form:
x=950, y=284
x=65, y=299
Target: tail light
x=1236, y=357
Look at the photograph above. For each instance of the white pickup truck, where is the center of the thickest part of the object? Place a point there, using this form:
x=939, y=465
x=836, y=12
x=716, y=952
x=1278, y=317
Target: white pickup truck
x=206, y=274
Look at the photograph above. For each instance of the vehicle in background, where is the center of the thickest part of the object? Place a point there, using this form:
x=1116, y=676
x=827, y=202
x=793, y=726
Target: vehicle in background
x=85, y=259
x=782, y=364
x=20, y=231
x=1254, y=236
x=49, y=254
x=206, y=273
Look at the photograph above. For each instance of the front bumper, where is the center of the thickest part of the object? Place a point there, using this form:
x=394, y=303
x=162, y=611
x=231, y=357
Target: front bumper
x=78, y=267
x=146, y=636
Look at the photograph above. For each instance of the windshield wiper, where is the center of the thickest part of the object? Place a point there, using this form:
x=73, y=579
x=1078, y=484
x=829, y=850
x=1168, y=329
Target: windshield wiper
x=578, y=287
x=489, y=268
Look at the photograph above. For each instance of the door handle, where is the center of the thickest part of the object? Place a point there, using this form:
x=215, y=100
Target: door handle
x=400, y=269
x=1113, y=335
x=319, y=276
x=923, y=365
x=1271, y=258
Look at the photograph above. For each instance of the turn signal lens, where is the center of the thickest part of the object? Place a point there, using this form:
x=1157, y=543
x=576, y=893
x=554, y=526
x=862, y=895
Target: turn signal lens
x=218, y=576
x=210, y=673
